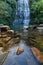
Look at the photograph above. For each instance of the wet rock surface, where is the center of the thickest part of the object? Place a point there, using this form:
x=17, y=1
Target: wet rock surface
x=38, y=54
x=19, y=51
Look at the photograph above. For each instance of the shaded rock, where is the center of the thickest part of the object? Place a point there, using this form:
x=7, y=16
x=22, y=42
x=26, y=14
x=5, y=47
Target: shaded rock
x=10, y=32
x=19, y=51
x=17, y=36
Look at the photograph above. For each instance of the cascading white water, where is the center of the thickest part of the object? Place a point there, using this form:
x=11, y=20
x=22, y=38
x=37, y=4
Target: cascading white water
x=26, y=13
x=22, y=14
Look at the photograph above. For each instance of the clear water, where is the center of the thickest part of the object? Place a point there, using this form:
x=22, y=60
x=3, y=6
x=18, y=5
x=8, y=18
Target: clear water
x=25, y=58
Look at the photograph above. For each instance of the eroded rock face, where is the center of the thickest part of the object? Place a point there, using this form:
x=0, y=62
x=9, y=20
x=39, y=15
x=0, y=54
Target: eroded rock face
x=19, y=51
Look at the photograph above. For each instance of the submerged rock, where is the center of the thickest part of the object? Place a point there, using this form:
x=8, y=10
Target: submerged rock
x=19, y=51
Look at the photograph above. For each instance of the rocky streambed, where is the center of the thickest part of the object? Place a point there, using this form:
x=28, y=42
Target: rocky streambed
x=27, y=57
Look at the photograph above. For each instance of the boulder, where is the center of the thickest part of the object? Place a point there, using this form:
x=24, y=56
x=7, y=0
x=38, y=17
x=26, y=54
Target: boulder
x=19, y=51
x=10, y=32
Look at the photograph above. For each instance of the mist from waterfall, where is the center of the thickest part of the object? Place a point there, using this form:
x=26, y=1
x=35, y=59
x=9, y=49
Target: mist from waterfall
x=22, y=18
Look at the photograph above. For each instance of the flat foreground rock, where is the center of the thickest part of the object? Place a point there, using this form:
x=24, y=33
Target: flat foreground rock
x=38, y=54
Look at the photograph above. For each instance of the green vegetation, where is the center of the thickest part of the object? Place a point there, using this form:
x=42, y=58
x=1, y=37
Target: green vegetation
x=8, y=7
x=7, y=11
x=36, y=8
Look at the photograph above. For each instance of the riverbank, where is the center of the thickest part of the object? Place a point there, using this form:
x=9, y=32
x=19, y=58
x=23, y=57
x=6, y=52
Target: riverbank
x=37, y=54
x=6, y=43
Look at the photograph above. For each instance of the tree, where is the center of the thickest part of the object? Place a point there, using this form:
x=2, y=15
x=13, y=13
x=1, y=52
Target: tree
x=7, y=11
x=36, y=8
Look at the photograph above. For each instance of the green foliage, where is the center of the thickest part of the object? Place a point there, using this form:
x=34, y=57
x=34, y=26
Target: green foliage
x=7, y=11
x=36, y=7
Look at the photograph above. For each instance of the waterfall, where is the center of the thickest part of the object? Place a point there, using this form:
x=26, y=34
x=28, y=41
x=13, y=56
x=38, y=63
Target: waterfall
x=22, y=15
